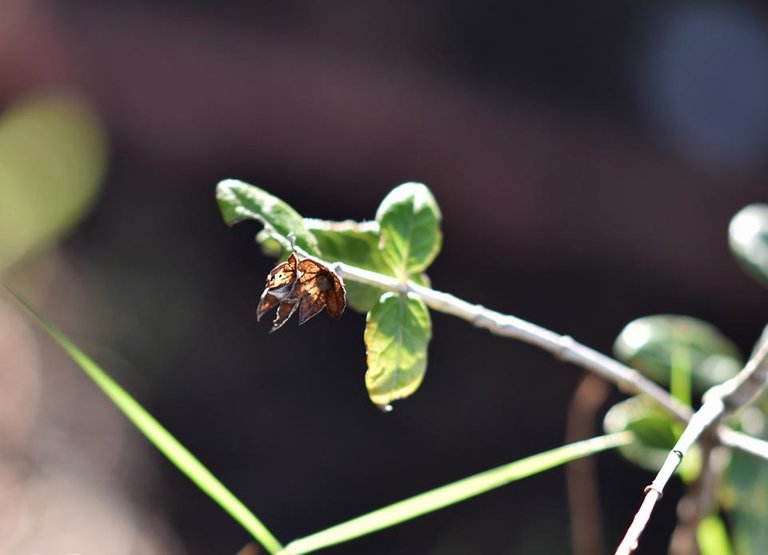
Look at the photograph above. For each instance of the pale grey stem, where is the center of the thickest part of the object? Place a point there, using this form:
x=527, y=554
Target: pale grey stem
x=562, y=346
x=745, y=386
x=701, y=420
x=700, y=499
x=721, y=399
x=744, y=443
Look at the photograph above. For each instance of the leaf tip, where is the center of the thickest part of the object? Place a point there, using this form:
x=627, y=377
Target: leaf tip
x=419, y=194
x=227, y=184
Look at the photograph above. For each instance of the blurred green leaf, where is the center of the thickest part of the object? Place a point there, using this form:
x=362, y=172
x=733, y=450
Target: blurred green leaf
x=397, y=332
x=655, y=433
x=712, y=537
x=240, y=201
x=269, y=246
x=680, y=380
x=651, y=343
x=160, y=437
x=361, y=297
x=455, y=492
x=52, y=160
x=409, y=221
x=748, y=238
x=745, y=493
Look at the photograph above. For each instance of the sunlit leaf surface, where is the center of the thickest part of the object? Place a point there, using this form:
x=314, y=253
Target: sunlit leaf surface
x=409, y=222
x=240, y=201
x=397, y=333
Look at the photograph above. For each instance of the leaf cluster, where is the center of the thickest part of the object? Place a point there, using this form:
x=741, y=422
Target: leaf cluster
x=401, y=242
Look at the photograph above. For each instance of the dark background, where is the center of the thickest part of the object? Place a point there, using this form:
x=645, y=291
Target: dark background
x=587, y=158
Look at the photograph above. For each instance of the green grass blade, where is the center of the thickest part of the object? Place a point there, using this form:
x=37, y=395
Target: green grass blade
x=453, y=493
x=161, y=437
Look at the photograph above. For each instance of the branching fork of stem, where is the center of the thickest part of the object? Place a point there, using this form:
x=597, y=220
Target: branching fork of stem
x=719, y=401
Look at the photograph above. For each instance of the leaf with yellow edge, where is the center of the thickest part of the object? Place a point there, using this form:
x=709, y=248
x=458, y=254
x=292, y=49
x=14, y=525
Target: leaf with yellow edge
x=397, y=332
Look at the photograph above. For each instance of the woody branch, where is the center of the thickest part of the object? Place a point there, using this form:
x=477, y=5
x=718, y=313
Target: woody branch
x=563, y=347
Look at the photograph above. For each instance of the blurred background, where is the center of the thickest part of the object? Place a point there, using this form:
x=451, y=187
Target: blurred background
x=587, y=158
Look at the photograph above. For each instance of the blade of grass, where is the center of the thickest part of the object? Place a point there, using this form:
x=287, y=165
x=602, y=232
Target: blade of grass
x=160, y=437
x=450, y=494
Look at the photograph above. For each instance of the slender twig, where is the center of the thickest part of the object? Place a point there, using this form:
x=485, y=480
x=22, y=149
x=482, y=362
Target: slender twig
x=563, y=347
x=745, y=386
x=720, y=400
x=744, y=443
x=700, y=499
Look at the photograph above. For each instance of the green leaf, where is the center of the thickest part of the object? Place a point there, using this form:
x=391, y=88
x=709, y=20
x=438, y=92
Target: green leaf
x=655, y=435
x=357, y=244
x=654, y=431
x=409, y=221
x=651, y=344
x=361, y=297
x=351, y=242
x=712, y=537
x=52, y=159
x=397, y=333
x=161, y=437
x=453, y=493
x=240, y=201
x=269, y=245
x=748, y=238
x=746, y=495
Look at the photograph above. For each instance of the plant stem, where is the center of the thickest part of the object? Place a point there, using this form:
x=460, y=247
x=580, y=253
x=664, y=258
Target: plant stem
x=727, y=397
x=700, y=499
x=563, y=347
